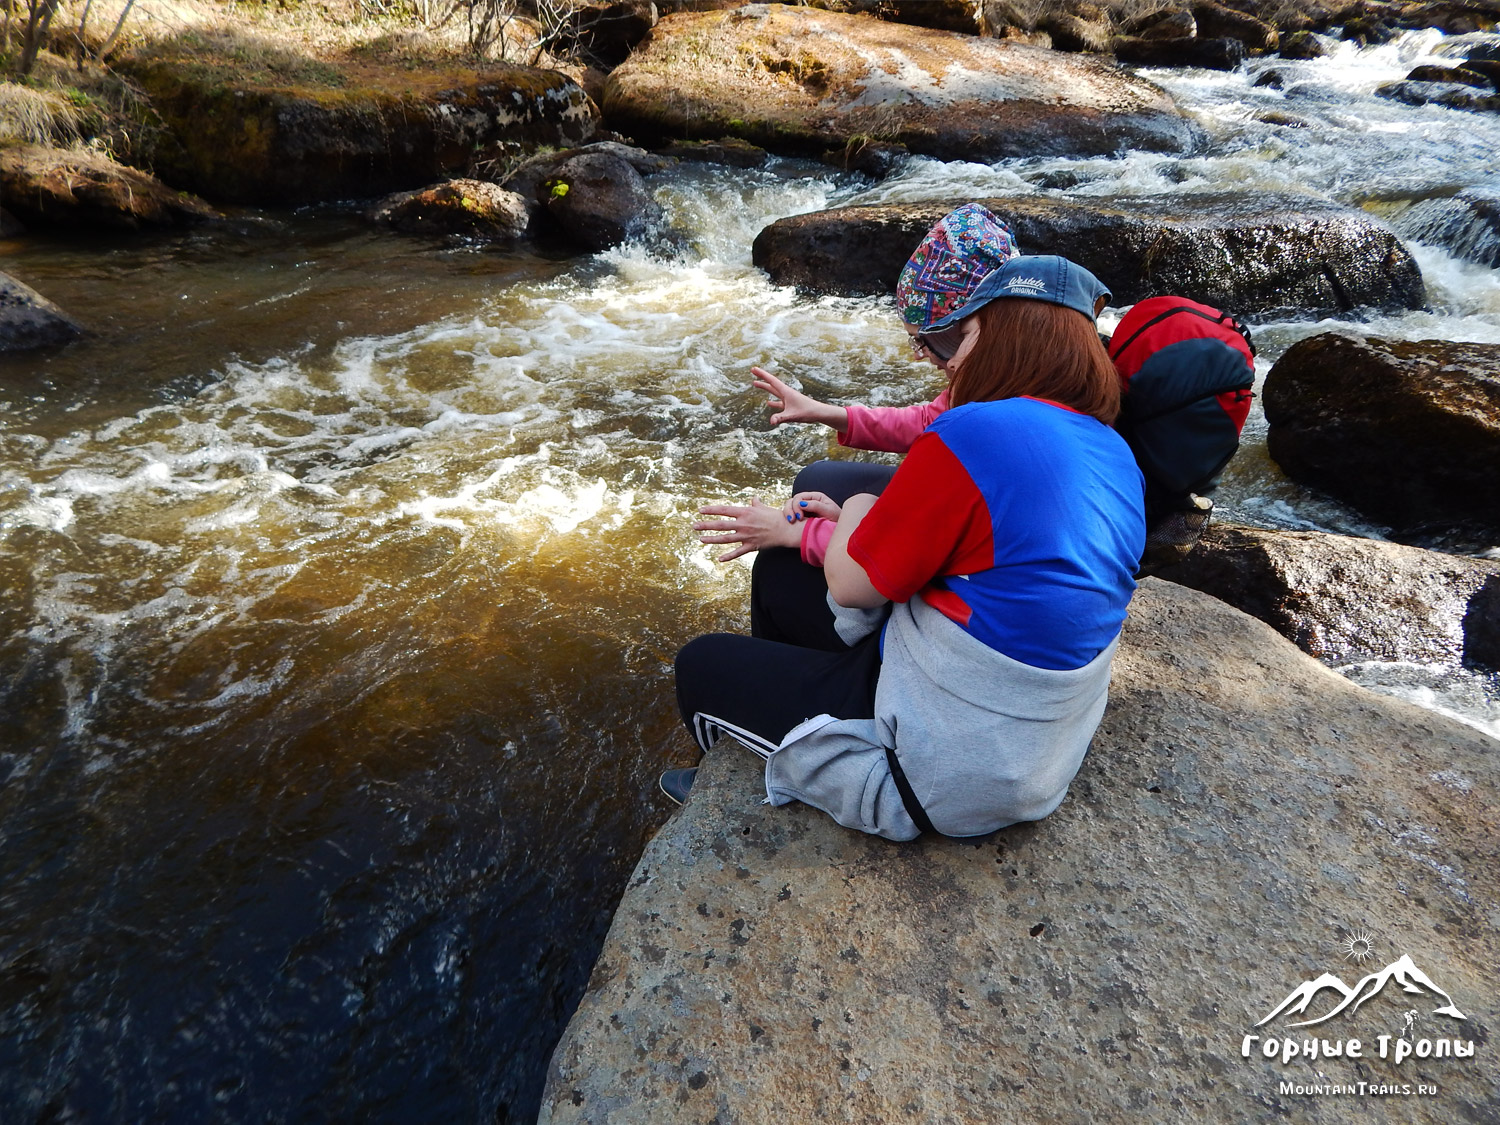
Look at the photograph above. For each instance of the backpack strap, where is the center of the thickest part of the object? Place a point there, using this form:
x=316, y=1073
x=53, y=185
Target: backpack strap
x=1222, y=318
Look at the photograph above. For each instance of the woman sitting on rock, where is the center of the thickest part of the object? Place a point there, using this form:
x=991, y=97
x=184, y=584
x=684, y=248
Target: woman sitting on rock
x=978, y=599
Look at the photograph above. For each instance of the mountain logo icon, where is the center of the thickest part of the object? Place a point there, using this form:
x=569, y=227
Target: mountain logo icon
x=1402, y=971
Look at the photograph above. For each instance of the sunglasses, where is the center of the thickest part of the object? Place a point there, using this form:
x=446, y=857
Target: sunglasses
x=942, y=345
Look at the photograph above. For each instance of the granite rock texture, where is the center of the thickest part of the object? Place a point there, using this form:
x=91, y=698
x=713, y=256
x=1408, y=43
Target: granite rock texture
x=29, y=320
x=466, y=208
x=1249, y=252
x=72, y=189
x=800, y=80
x=1242, y=810
x=1344, y=599
x=1408, y=432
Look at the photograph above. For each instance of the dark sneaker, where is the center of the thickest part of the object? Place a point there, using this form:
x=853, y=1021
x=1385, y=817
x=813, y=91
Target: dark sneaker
x=1172, y=537
x=677, y=783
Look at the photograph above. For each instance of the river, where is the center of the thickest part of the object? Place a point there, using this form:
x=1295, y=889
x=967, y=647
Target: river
x=344, y=574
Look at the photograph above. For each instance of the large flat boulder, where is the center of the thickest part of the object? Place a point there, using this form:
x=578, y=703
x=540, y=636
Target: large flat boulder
x=801, y=80
x=1345, y=599
x=1251, y=253
x=267, y=142
x=1241, y=811
x=1407, y=432
x=74, y=188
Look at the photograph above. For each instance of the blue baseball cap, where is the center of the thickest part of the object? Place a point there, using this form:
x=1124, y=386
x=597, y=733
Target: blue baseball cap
x=1036, y=277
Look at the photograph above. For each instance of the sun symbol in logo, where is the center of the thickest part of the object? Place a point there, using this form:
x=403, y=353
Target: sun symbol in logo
x=1357, y=945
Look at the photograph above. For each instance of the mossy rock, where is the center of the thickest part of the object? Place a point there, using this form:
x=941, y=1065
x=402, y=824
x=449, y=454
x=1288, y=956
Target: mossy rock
x=305, y=143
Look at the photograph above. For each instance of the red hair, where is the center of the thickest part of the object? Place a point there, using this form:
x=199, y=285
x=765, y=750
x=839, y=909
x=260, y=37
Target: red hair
x=1036, y=348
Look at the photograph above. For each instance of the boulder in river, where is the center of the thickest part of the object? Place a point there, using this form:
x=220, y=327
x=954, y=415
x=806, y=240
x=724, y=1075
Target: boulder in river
x=1451, y=95
x=529, y=178
x=244, y=142
x=1241, y=811
x=1342, y=598
x=1466, y=225
x=1251, y=253
x=1407, y=432
x=73, y=188
x=599, y=200
x=1301, y=45
x=1209, y=54
x=1482, y=626
x=802, y=80
x=28, y=320
x=1220, y=21
x=470, y=208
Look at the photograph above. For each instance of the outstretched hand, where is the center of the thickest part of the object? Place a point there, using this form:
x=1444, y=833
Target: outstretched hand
x=792, y=405
x=752, y=528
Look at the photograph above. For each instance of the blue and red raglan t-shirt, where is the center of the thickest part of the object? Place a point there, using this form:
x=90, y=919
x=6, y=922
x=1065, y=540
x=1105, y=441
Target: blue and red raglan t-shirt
x=1021, y=520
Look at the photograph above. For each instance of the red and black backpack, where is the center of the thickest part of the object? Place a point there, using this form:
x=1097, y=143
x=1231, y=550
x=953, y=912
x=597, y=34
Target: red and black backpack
x=1187, y=370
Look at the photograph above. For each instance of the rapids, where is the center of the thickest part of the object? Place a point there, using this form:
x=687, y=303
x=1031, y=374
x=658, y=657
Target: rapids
x=344, y=574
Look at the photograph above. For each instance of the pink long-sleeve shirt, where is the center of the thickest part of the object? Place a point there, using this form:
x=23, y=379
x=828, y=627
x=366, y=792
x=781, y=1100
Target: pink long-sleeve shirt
x=884, y=429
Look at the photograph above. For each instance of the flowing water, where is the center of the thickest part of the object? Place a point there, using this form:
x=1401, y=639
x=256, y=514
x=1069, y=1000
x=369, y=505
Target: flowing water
x=344, y=573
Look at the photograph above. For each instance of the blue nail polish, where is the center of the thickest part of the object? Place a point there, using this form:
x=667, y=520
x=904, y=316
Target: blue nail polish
x=802, y=502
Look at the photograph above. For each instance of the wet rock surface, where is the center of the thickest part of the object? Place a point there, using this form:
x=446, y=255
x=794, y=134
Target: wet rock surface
x=1210, y=54
x=1408, y=433
x=599, y=200
x=1466, y=224
x=468, y=208
x=28, y=320
x=67, y=188
x=800, y=80
x=1253, y=254
x=1482, y=626
x=1344, y=599
x=1239, y=805
x=289, y=145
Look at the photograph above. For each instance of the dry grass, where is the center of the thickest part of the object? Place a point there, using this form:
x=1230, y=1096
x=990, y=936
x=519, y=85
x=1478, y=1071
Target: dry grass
x=38, y=116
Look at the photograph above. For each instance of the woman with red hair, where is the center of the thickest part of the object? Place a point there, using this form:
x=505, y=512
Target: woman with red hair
x=956, y=671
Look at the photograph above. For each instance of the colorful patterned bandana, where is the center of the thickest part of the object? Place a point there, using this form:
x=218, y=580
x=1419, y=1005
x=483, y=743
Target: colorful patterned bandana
x=961, y=249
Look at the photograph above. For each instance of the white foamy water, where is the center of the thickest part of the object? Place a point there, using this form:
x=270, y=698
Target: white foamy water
x=592, y=411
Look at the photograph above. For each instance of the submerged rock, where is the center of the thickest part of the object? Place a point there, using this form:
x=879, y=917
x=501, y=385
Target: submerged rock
x=471, y=208
x=54, y=187
x=1406, y=432
x=1240, y=808
x=1341, y=598
x=28, y=320
x=249, y=143
x=1251, y=253
x=801, y=80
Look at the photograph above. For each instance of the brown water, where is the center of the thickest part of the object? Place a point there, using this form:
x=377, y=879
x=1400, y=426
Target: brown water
x=343, y=575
